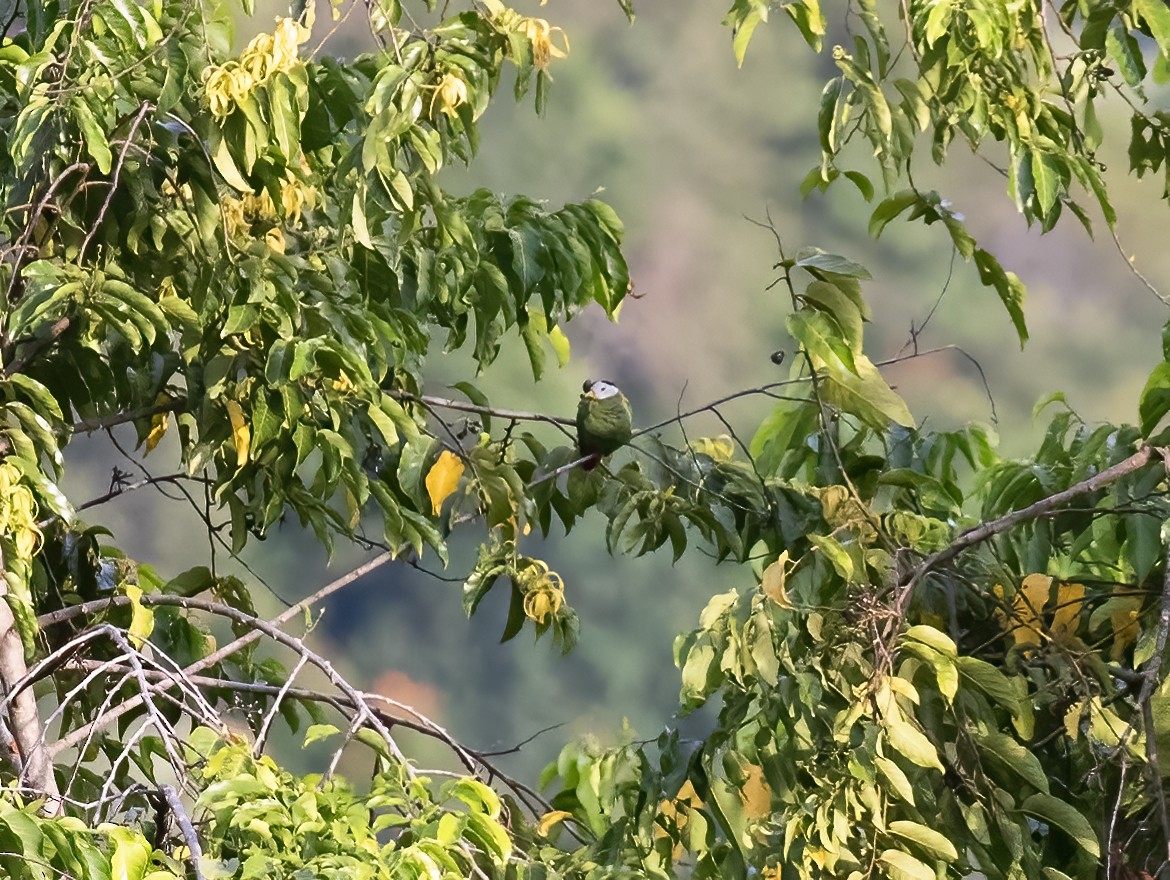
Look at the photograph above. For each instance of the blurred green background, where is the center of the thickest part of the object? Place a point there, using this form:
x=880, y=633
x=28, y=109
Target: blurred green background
x=686, y=148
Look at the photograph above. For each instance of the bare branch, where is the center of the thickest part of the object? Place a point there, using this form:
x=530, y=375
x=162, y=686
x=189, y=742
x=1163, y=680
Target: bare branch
x=464, y=406
x=186, y=828
x=258, y=628
x=143, y=109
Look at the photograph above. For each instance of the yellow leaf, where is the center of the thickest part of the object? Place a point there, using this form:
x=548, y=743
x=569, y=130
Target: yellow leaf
x=1066, y=619
x=755, y=793
x=241, y=433
x=443, y=479
x=1125, y=631
x=548, y=820
x=1027, y=604
x=141, y=617
x=560, y=344
x=158, y=427
x=773, y=581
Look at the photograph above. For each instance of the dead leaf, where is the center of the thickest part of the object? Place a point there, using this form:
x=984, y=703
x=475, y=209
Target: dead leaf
x=773, y=580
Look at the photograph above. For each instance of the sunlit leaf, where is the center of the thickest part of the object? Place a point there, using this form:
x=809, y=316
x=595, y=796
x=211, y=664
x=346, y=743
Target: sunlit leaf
x=443, y=478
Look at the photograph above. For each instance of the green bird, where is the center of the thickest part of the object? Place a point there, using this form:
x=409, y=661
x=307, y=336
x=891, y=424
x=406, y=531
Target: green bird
x=604, y=421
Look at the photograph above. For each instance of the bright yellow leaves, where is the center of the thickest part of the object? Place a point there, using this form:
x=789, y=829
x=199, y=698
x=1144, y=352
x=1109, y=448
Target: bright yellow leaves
x=1043, y=610
x=450, y=93
x=257, y=211
x=295, y=197
x=721, y=448
x=443, y=479
x=241, y=433
x=755, y=793
x=1023, y=625
x=18, y=512
x=160, y=421
x=674, y=813
x=543, y=589
x=550, y=820
x=1067, y=616
x=540, y=34
x=543, y=40
x=227, y=85
x=1124, y=620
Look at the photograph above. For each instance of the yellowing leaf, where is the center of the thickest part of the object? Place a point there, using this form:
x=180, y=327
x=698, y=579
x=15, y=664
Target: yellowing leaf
x=1125, y=629
x=1023, y=627
x=755, y=793
x=141, y=617
x=1066, y=619
x=927, y=838
x=241, y=433
x=550, y=819
x=911, y=743
x=721, y=448
x=773, y=581
x=896, y=777
x=158, y=427
x=560, y=344
x=443, y=478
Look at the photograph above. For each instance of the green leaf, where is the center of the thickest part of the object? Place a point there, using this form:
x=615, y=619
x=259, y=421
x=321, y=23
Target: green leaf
x=1126, y=54
x=475, y=794
x=319, y=732
x=895, y=776
x=903, y=866
x=863, y=184
x=815, y=258
x=96, y=143
x=911, y=743
x=1155, y=399
x=822, y=338
x=935, y=639
x=697, y=675
x=929, y=839
x=836, y=554
x=1047, y=179
x=491, y=837
x=867, y=396
x=1157, y=17
x=810, y=21
x=827, y=115
x=131, y=856
x=1066, y=817
x=222, y=159
x=831, y=299
x=890, y=208
x=1005, y=749
x=787, y=425
x=743, y=18
x=1009, y=287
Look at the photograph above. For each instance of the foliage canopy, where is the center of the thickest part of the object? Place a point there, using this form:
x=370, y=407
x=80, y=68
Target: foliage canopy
x=941, y=661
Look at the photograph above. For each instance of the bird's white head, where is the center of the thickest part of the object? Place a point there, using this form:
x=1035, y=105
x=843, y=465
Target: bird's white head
x=602, y=388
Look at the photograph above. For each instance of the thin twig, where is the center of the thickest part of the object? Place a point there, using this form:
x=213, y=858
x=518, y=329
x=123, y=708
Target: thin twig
x=215, y=656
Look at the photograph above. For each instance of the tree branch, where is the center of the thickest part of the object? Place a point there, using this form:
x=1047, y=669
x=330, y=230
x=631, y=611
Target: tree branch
x=24, y=719
x=1044, y=506
x=216, y=656
x=464, y=406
